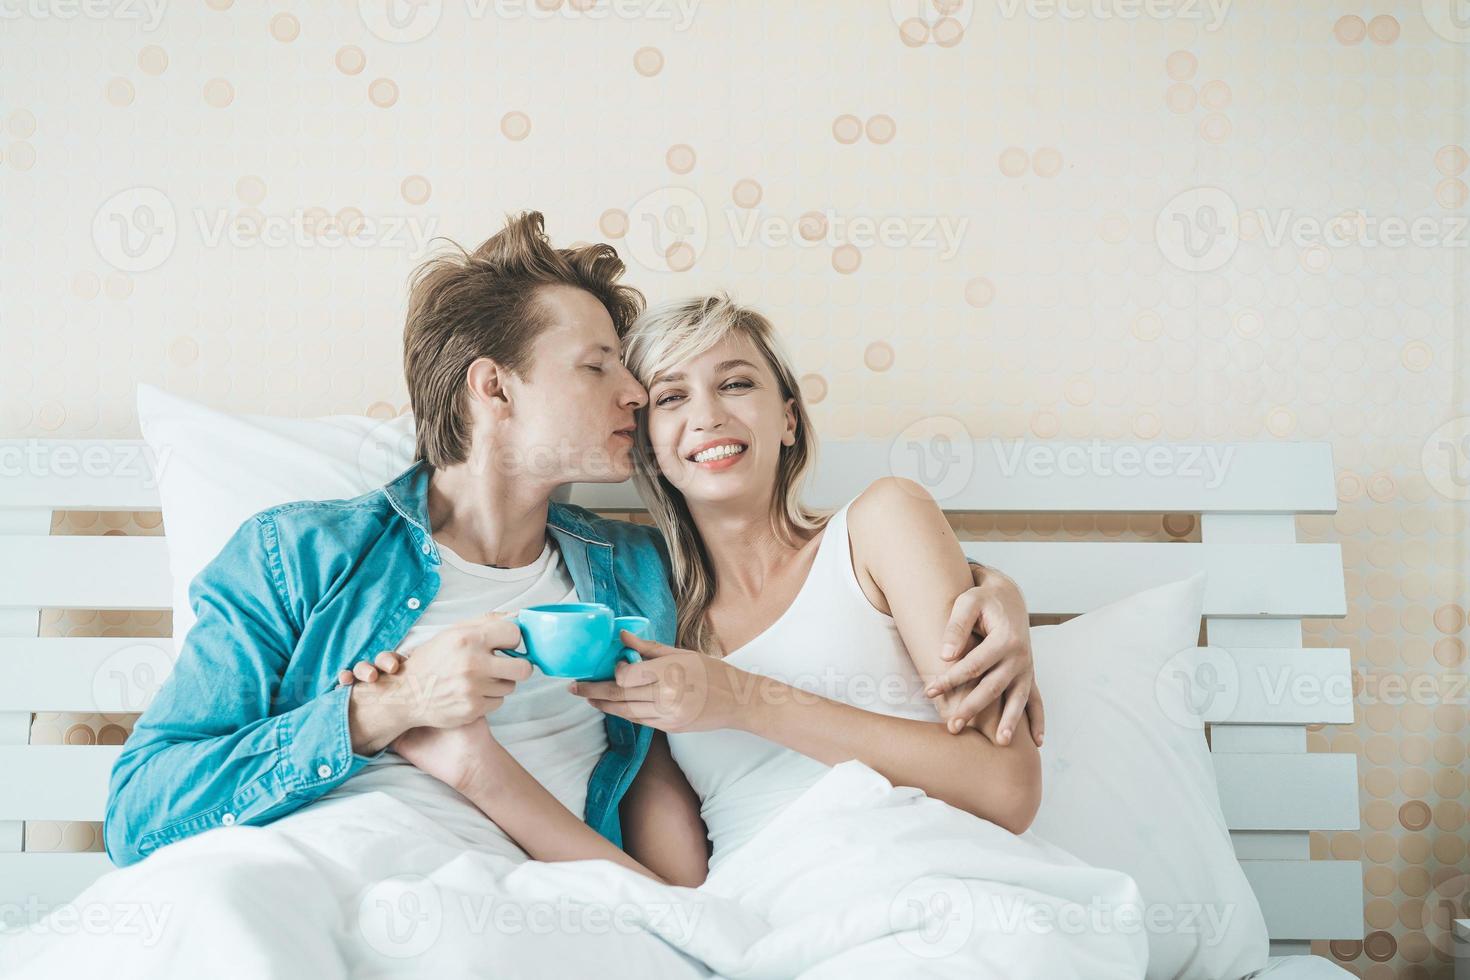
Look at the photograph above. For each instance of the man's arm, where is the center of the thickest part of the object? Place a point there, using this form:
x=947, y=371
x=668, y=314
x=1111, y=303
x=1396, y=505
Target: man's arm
x=209, y=751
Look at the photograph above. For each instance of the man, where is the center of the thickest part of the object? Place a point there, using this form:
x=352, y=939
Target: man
x=512, y=361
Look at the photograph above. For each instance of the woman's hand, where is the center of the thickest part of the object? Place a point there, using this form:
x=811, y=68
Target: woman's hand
x=672, y=690
x=465, y=758
x=1000, y=666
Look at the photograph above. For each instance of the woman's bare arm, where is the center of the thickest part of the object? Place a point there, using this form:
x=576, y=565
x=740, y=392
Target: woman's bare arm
x=902, y=541
x=662, y=827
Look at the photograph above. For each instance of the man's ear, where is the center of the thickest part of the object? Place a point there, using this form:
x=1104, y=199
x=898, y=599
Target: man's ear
x=486, y=382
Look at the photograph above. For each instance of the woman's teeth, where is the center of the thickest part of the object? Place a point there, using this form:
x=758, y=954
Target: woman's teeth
x=718, y=452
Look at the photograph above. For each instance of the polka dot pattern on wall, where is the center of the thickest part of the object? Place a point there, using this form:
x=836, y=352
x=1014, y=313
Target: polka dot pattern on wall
x=746, y=193
x=680, y=158
x=1014, y=161
x=415, y=189
x=515, y=125
x=1451, y=160
x=846, y=259
x=1047, y=162
x=680, y=257
x=1350, y=29
x=648, y=62
x=350, y=59
x=383, y=92
x=812, y=226
x=250, y=190
x=878, y=356
x=613, y=223
x=847, y=129
x=152, y=60
x=285, y=28
x=120, y=92
x=218, y=93
x=979, y=292
x=1383, y=29
x=881, y=129
x=1181, y=65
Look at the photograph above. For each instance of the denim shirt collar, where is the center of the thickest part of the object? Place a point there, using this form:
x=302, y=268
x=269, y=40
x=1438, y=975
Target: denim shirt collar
x=408, y=492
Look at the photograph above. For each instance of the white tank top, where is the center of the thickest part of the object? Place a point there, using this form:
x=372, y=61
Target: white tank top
x=830, y=641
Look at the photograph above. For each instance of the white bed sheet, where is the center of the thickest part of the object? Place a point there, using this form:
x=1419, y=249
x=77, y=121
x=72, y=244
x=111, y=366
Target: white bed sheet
x=857, y=878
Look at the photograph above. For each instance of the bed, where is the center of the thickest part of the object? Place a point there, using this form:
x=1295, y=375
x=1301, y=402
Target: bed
x=1262, y=583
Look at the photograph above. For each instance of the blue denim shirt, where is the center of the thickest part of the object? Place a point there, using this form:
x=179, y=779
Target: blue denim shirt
x=251, y=724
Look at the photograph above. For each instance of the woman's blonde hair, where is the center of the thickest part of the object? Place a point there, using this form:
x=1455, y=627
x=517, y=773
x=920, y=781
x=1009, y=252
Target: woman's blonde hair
x=673, y=333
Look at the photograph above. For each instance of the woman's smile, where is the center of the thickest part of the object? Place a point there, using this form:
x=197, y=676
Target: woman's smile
x=719, y=454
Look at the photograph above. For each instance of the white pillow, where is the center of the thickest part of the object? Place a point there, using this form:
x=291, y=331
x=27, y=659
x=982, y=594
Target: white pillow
x=1128, y=782
x=216, y=469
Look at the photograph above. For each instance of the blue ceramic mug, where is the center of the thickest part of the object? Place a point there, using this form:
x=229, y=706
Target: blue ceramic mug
x=579, y=640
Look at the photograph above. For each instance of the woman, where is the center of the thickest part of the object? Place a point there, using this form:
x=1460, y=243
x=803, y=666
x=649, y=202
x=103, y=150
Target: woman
x=805, y=640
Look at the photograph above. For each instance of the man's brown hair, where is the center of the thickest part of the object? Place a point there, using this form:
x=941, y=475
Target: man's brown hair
x=486, y=303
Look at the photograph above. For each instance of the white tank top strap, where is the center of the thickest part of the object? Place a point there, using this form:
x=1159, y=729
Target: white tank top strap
x=833, y=563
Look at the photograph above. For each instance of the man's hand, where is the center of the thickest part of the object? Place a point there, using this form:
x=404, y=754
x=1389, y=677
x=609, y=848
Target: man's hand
x=466, y=757
x=452, y=679
x=1000, y=666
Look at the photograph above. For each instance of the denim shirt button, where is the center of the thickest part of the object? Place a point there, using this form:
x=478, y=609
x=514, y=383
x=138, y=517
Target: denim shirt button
x=428, y=548
x=227, y=819
x=324, y=771
x=413, y=602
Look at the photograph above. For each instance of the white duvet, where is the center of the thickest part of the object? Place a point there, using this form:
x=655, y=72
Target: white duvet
x=857, y=878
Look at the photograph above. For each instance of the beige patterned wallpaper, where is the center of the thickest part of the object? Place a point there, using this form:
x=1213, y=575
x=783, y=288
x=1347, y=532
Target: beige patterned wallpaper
x=1173, y=220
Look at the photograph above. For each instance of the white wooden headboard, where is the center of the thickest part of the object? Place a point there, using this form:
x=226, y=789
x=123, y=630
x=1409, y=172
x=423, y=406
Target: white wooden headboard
x=1261, y=583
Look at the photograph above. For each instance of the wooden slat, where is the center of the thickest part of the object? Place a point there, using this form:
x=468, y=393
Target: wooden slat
x=92, y=572
x=1280, y=791
x=1258, y=738
x=78, y=474
x=992, y=475
x=1281, y=949
x=1309, y=899
x=33, y=883
x=1272, y=845
x=1273, y=686
x=1288, y=580
x=55, y=782
x=108, y=674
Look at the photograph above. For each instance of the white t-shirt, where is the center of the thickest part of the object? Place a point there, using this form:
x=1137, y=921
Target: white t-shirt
x=557, y=736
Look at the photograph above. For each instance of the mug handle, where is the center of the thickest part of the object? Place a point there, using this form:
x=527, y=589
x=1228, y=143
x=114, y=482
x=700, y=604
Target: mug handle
x=516, y=653
x=628, y=654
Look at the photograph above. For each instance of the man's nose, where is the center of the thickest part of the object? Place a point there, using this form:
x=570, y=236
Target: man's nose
x=636, y=396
